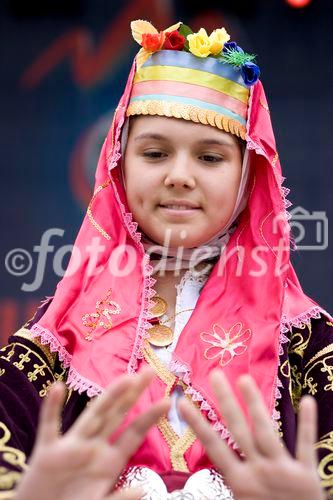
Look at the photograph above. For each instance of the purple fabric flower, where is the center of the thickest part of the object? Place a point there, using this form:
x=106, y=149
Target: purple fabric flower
x=250, y=73
x=232, y=46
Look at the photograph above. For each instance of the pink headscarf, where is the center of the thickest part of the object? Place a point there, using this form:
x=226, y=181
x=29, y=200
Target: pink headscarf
x=253, y=311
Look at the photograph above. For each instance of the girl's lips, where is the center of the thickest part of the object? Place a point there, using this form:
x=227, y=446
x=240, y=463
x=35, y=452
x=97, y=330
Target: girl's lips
x=179, y=210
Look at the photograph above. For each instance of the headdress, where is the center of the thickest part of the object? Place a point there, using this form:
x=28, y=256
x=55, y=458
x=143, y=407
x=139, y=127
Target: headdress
x=251, y=299
x=193, y=76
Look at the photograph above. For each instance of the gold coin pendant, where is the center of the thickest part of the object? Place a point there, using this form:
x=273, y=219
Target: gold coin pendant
x=160, y=335
x=159, y=308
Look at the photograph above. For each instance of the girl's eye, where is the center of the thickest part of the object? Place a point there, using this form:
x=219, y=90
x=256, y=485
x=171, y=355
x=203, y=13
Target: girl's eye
x=211, y=158
x=153, y=154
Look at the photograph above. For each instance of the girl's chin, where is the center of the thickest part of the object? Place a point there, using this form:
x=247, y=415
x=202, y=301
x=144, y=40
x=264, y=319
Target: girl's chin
x=179, y=241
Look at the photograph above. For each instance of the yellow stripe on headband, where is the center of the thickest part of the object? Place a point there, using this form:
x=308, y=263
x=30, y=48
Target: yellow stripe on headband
x=195, y=76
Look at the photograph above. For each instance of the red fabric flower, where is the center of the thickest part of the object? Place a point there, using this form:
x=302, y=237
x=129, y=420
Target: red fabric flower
x=174, y=41
x=153, y=41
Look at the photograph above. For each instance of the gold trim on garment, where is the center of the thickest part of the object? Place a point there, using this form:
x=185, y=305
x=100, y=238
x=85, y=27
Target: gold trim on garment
x=187, y=112
x=19, y=355
x=89, y=211
x=178, y=445
x=26, y=334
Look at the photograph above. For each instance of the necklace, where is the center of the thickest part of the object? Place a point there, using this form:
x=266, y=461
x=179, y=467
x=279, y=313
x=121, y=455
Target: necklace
x=161, y=335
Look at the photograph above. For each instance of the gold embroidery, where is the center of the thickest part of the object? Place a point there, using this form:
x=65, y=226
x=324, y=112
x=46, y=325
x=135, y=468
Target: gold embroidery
x=326, y=366
x=102, y=317
x=275, y=159
x=24, y=358
x=40, y=370
x=10, y=455
x=10, y=348
x=328, y=323
x=325, y=467
x=110, y=151
x=226, y=344
x=297, y=342
x=322, y=352
x=45, y=388
x=178, y=445
x=264, y=104
x=26, y=334
x=294, y=377
x=187, y=112
x=8, y=479
x=89, y=211
x=296, y=387
x=2, y=371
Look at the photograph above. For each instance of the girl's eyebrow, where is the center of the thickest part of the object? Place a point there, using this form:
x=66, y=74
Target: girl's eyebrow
x=219, y=142
x=206, y=142
x=150, y=135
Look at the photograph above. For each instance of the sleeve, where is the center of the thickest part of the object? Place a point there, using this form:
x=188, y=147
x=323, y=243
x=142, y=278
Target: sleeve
x=27, y=370
x=317, y=380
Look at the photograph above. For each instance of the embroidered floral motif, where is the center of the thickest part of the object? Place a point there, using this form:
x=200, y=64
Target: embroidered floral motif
x=105, y=308
x=325, y=467
x=12, y=457
x=226, y=344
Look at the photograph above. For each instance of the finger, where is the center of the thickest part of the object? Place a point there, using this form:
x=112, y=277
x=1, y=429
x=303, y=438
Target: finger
x=307, y=432
x=218, y=451
x=50, y=414
x=126, y=494
x=266, y=439
x=119, y=409
x=232, y=413
x=94, y=417
x=132, y=437
x=90, y=420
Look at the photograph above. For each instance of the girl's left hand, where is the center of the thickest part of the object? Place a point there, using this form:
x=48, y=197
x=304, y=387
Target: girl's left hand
x=268, y=470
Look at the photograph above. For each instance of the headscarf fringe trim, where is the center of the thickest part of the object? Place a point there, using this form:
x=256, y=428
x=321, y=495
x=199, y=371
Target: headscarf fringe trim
x=149, y=282
x=183, y=372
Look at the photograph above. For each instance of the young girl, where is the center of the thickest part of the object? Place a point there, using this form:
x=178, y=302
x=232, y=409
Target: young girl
x=182, y=263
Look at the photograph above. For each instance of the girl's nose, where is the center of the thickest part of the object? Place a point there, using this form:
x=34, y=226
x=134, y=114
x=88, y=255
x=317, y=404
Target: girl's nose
x=180, y=173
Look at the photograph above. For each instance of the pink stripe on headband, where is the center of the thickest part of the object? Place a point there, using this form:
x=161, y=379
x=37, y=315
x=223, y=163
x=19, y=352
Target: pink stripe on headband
x=192, y=91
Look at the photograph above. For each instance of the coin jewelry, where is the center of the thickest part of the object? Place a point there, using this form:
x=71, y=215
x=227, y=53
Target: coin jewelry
x=161, y=335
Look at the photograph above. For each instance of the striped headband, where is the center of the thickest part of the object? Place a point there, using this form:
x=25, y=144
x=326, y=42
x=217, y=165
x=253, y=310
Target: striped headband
x=195, y=77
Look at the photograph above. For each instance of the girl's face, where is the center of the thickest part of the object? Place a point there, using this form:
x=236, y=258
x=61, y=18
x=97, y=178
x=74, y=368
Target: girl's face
x=181, y=179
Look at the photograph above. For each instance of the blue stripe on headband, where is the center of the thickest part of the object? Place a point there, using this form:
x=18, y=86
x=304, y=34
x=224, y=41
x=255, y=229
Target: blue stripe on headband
x=193, y=102
x=186, y=60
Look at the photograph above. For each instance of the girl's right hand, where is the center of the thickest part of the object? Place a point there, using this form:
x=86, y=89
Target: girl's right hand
x=82, y=464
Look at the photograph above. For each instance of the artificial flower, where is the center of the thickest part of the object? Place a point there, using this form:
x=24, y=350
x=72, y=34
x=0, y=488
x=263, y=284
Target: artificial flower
x=174, y=41
x=199, y=43
x=140, y=31
x=153, y=41
x=232, y=46
x=217, y=39
x=250, y=73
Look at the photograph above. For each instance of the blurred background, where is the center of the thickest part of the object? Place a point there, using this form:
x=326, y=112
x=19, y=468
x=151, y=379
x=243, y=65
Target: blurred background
x=64, y=64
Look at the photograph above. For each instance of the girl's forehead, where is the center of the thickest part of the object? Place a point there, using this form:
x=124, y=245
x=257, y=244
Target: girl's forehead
x=176, y=129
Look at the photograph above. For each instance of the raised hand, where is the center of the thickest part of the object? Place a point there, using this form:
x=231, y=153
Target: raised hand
x=268, y=470
x=82, y=464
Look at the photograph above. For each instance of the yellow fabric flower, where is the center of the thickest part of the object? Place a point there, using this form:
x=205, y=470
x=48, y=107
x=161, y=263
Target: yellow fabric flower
x=199, y=43
x=217, y=40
